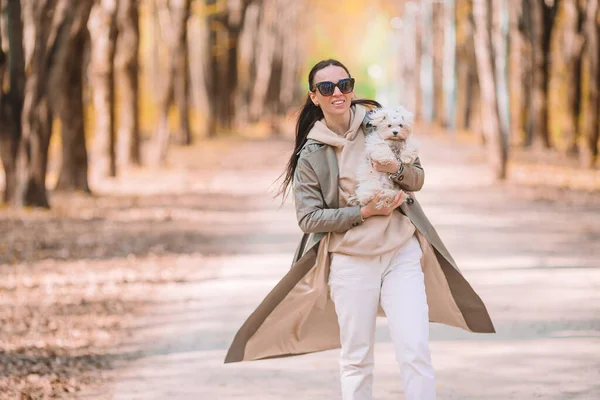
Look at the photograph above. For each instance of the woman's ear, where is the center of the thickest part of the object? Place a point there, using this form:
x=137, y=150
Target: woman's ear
x=313, y=98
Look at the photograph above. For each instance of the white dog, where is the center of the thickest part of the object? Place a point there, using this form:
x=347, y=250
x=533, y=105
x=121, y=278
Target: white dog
x=388, y=136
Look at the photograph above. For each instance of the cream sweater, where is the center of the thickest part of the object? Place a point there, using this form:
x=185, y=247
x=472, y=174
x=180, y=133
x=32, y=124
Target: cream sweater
x=379, y=234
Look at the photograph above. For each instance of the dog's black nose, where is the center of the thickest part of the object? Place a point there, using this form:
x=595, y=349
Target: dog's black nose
x=395, y=132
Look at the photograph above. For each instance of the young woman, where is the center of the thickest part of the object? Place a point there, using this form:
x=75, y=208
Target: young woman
x=354, y=262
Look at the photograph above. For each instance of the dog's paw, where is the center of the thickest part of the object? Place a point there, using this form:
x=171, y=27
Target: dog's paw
x=383, y=154
x=411, y=151
x=387, y=198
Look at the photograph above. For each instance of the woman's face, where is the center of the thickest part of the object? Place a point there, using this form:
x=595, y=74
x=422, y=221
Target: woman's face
x=338, y=103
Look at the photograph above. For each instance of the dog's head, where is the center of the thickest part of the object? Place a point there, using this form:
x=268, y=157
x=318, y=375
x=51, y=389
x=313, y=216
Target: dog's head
x=390, y=124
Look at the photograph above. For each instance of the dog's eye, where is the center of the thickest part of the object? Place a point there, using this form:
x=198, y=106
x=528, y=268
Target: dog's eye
x=390, y=125
x=401, y=126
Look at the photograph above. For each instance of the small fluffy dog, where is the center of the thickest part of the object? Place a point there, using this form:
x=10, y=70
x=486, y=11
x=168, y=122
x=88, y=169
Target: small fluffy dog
x=388, y=136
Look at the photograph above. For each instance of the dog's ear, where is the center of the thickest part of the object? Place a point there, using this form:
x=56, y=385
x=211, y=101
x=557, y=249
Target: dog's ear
x=376, y=115
x=369, y=124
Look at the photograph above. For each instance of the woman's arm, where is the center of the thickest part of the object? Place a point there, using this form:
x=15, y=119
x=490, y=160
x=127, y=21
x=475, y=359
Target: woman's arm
x=310, y=205
x=411, y=177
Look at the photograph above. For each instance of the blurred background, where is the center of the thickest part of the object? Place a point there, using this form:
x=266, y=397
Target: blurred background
x=91, y=82
x=141, y=140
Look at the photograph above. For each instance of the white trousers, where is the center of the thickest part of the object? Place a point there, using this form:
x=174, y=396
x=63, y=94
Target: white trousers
x=358, y=285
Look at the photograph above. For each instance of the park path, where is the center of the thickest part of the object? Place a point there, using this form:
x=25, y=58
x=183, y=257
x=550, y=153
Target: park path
x=531, y=253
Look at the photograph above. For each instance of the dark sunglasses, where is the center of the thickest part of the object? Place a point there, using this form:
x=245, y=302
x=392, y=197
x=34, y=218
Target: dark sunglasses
x=327, y=88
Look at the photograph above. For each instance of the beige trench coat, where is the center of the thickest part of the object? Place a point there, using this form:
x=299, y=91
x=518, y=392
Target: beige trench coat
x=298, y=315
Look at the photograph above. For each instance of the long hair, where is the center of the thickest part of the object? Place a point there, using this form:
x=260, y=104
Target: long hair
x=309, y=115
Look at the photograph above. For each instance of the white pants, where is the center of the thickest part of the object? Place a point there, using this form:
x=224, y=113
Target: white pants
x=357, y=286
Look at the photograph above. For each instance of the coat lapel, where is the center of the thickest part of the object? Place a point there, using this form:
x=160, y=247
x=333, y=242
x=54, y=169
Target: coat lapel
x=325, y=165
x=326, y=168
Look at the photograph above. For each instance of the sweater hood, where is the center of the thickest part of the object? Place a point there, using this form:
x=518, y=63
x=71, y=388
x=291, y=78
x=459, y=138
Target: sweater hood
x=321, y=133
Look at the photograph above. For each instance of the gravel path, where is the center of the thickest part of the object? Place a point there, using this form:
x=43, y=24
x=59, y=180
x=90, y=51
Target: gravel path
x=531, y=253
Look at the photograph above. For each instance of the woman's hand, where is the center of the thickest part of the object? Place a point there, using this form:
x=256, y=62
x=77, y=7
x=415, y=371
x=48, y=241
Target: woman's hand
x=370, y=208
x=390, y=168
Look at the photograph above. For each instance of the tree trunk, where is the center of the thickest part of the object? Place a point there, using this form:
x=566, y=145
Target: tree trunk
x=126, y=74
x=103, y=29
x=527, y=74
x=181, y=70
x=591, y=119
x=11, y=103
x=539, y=123
x=418, y=55
x=265, y=50
x=407, y=60
x=437, y=21
x=273, y=103
x=290, y=67
x=487, y=83
x=163, y=133
x=542, y=21
x=464, y=62
x=572, y=46
x=173, y=22
x=473, y=116
x=225, y=27
x=499, y=42
x=197, y=41
x=212, y=76
x=247, y=55
x=515, y=72
x=46, y=18
x=66, y=90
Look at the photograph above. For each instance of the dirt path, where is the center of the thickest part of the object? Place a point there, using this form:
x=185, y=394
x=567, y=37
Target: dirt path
x=177, y=259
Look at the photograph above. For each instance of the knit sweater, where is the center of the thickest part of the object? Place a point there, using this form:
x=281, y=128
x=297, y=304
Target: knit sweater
x=377, y=235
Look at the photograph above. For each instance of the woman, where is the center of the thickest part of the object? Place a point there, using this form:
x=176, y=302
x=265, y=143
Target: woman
x=354, y=261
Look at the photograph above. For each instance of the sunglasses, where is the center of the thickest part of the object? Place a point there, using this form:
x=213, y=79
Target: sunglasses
x=327, y=88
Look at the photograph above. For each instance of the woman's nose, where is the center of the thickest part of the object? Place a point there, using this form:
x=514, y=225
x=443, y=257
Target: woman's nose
x=337, y=91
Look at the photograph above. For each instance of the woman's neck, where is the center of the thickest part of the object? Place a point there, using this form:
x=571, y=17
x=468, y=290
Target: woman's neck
x=339, y=123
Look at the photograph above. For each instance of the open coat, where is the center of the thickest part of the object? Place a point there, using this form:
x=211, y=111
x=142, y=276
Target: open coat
x=298, y=315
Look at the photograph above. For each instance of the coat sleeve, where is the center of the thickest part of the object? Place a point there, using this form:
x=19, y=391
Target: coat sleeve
x=412, y=177
x=311, y=211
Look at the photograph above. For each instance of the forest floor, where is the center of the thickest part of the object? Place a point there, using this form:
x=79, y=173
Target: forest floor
x=137, y=291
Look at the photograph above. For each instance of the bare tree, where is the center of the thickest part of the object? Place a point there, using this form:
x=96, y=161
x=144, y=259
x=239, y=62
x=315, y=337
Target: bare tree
x=45, y=18
x=571, y=50
x=438, y=23
x=499, y=44
x=173, y=16
x=103, y=28
x=409, y=63
x=516, y=71
x=246, y=64
x=66, y=91
x=466, y=71
x=225, y=27
x=591, y=122
x=126, y=69
x=265, y=52
x=497, y=150
x=541, y=14
x=290, y=29
x=418, y=55
x=11, y=102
